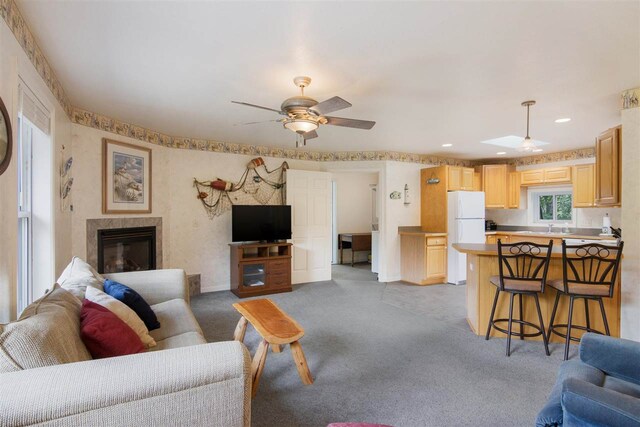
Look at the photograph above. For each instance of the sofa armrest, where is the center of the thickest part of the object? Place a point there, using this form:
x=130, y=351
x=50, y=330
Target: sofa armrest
x=155, y=286
x=584, y=403
x=207, y=384
x=614, y=356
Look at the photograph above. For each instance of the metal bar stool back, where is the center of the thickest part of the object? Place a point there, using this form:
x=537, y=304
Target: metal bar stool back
x=523, y=270
x=589, y=272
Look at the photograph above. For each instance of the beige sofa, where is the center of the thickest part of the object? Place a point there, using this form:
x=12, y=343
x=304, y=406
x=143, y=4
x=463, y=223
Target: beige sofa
x=181, y=381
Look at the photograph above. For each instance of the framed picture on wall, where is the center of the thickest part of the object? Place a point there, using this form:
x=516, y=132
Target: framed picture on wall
x=126, y=178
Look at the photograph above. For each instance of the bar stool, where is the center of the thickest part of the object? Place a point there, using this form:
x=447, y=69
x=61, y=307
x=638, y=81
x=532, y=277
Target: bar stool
x=523, y=270
x=588, y=272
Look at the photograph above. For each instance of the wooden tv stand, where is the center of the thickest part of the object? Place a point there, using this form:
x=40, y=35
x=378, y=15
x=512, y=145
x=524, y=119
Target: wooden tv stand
x=260, y=268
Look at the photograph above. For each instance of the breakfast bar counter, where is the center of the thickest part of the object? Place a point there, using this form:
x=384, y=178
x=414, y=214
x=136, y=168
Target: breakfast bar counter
x=482, y=263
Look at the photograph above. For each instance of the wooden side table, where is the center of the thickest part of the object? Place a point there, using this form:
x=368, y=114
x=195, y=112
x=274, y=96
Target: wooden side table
x=276, y=329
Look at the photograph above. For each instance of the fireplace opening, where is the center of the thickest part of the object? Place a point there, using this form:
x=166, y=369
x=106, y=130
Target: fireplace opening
x=126, y=249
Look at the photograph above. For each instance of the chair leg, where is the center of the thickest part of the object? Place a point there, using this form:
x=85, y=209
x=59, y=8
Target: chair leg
x=553, y=314
x=545, y=339
x=511, y=295
x=586, y=314
x=521, y=317
x=568, y=340
x=493, y=312
x=604, y=317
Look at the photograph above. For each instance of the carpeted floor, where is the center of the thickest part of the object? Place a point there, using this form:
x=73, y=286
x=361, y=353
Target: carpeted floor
x=389, y=353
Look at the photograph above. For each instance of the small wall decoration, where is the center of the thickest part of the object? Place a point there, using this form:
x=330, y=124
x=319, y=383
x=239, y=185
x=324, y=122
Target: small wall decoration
x=126, y=178
x=257, y=185
x=396, y=195
x=66, y=180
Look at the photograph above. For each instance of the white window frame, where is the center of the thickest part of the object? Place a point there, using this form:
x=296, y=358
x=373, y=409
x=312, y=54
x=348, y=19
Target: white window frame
x=534, y=203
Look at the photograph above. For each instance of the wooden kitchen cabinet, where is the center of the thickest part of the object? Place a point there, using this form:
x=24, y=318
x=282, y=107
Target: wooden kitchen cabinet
x=607, y=168
x=423, y=258
x=459, y=178
x=477, y=181
x=513, y=197
x=492, y=239
x=467, y=179
x=557, y=175
x=532, y=177
x=583, y=186
x=495, y=181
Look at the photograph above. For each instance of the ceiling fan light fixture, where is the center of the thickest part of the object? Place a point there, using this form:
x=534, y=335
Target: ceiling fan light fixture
x=300, y=125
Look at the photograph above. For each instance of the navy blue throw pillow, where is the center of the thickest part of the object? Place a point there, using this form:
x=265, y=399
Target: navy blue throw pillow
x=134, y=301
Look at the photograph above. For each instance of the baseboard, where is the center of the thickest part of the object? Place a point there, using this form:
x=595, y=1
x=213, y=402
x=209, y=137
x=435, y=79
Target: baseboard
x=214, y=288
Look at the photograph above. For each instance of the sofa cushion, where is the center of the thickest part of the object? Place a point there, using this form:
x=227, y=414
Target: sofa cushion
x=104, y=334
x=77, y=276
x=176, y=318
x=183, y=340
x=47, y=333
x=132, y=299
x=123, y=312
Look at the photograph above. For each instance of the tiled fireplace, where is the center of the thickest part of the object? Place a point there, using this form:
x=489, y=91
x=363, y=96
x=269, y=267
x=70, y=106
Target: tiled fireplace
x=124, y=244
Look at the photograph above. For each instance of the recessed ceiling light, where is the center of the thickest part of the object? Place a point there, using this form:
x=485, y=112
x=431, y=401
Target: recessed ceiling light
x=500, y=153
x=537, y=150
x=447, y=145
x=563, y=120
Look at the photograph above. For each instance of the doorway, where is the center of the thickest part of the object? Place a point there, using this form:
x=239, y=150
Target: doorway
x=355, y=220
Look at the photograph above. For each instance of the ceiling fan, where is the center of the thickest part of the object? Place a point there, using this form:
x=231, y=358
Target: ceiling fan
x=527, y=144
x=303, y=114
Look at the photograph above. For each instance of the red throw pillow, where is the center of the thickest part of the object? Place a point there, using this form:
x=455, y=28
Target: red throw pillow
x=104, y=334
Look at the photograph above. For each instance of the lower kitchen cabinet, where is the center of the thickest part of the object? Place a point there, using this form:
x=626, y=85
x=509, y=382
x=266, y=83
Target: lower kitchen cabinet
x=423, y=258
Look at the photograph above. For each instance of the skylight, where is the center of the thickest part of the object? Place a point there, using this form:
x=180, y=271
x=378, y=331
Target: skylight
x=511, y=141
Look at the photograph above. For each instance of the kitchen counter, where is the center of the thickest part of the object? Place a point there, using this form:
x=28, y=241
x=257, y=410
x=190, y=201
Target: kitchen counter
x=553, y=235
x=482, y=263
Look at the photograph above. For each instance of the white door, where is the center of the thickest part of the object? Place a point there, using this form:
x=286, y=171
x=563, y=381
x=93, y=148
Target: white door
x=309, y=194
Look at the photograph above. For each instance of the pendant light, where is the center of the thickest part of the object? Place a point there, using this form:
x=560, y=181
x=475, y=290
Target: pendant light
x=527, y=144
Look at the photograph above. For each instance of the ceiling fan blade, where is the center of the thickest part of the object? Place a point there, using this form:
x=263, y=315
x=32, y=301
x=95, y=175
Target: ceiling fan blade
x=330, y=105
x=257, y=106
x=350, y=123
x=310, y=135
x=255, y=123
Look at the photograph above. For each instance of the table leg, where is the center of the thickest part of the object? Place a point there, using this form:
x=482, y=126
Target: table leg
x=257, y=365
x=241, y=329
x=276, y=348
x=301, y=363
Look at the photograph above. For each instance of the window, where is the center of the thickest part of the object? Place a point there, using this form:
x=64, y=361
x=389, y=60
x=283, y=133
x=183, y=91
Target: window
x=553, y=206
x=35, y=212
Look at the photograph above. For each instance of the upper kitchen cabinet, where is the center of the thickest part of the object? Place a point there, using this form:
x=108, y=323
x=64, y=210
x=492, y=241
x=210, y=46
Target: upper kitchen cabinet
x=495, y=184
x=513, y=195
x=583, y=186
x=459, y=178
x=607, y=169
x=557, y=175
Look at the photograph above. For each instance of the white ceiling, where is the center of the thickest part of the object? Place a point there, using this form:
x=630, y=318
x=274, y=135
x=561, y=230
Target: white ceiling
x=429, y=73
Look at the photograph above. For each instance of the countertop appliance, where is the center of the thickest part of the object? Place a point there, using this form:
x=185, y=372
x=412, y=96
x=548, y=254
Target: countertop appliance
x=490, y=225
x=466, y=225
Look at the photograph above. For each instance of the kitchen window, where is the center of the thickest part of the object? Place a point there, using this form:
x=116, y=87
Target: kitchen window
x=549, y=207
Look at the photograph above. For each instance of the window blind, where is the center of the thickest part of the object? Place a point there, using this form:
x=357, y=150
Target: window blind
x=33, y=110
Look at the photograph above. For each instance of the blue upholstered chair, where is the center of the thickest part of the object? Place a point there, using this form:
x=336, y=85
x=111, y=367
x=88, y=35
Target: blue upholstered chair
x=600, y=389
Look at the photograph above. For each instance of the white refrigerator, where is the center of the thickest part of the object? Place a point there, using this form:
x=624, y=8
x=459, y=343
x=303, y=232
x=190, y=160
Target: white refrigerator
x=466, y=225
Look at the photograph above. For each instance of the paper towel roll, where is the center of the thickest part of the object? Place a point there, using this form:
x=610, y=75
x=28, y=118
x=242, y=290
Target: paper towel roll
x=606, y=222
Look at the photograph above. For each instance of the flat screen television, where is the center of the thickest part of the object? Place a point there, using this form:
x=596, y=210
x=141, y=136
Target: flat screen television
x=262, y=223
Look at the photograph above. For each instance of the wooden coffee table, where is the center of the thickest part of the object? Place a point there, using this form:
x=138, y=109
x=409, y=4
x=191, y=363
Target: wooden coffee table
x=276, y=329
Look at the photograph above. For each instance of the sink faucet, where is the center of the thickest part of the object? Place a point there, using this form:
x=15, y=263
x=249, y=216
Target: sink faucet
x=565, y=229
x=550, y=228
